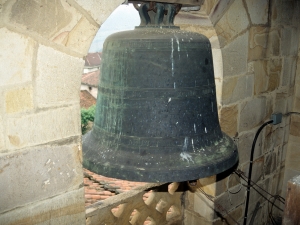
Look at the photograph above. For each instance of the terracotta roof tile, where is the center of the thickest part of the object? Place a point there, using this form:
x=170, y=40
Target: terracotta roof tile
x=91, y=78
x=93, y=59
x=98, y=187
x=86, y=99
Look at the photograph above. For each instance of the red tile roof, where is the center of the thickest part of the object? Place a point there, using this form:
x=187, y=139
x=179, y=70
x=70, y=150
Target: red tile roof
x=91, y=78
x=86, y=99
x=98, y=187
x=93, y=59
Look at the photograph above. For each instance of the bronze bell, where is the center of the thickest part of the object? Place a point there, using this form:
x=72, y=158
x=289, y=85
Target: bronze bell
x=156, y=115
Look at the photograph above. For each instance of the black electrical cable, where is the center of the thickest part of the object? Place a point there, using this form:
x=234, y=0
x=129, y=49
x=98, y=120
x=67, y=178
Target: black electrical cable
x=250, y=169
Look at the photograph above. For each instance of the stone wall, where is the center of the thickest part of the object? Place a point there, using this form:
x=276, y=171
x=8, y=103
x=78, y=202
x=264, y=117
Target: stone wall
x=42, y=44
x=42, y=47
x=258, y=41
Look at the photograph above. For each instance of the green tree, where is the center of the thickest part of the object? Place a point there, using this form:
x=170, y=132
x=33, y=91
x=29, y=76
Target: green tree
x=87, y=115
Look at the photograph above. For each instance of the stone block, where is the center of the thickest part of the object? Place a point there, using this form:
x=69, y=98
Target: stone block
x=2, y=139
x=245, y=142
x=81, y=36
x=260, y=76
x=258, y=11
x=258, y=40
x=281, y=103
x=58, y=78
x=274, y=41
x=39, y=173
x=237, y=88
x=297, y=99
x=99, y=10
x=289, y=41
x=19, y=100
x=289, y=71
x=274, y=73
x=295, y=126
x=203, y=206
x=232, y=23
x=235, y=56
x=43, y=18
x=228, y=120
x=43, y=127
x=288, y=174
x=218, y=10
x=270, y=163
x=15, y=58
x=67, y=208
x=293, y=154
x=192, y=218
x=230, y=201
x=252, y=114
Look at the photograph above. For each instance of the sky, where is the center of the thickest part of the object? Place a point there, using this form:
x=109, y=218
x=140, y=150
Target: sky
x=125, y=17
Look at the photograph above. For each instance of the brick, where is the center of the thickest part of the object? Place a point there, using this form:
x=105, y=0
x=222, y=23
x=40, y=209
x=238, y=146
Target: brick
x=237, y=88
x=19, y=100
x=39, y=173
x=58, y=78
x=15, y=60
x=232, y=23
x=235, y=56
x=43, y=127
x=67, y=208
x=99, y=10
x=252, y=113
x=258, y=11
x=228, y=120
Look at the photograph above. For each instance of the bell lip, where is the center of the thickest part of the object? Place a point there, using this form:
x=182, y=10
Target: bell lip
x=161, y=175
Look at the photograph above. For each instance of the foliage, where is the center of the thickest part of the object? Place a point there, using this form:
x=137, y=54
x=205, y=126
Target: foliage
x=87, y=115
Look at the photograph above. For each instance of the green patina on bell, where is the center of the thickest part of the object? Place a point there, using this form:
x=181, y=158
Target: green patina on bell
x=156, y=116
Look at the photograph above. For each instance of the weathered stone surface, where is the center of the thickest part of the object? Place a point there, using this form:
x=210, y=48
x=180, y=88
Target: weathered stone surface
x=192, y=218
x=219, y=10
x=62, y=209
x=258, y=11
x=258, y=40
x=237, y=88
x=274, y=41
x=289, y=71
x=295, y=126
x=81, y=36
x=235, y=56
x=19, y=100
x=252, y=113
x=44, y=18
x=297, y=98
x=58, y=78
x=228, y=120
x=289, y=41
x=232, y=23
x=2, y=140
x=245, y=144
x=39, y=173
x=260, y=76
x=270, y=163
x=15, y=58
x=199, y=201
x=99, y=10
x=43, y=127
x=231, y=201
x=288, y=174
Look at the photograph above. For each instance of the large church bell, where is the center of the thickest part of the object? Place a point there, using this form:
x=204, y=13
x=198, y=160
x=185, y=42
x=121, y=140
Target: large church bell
x=156, y=115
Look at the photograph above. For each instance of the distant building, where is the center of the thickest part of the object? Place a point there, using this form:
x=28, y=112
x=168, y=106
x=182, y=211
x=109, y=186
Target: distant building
x=89, y=82
x=92, y=62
